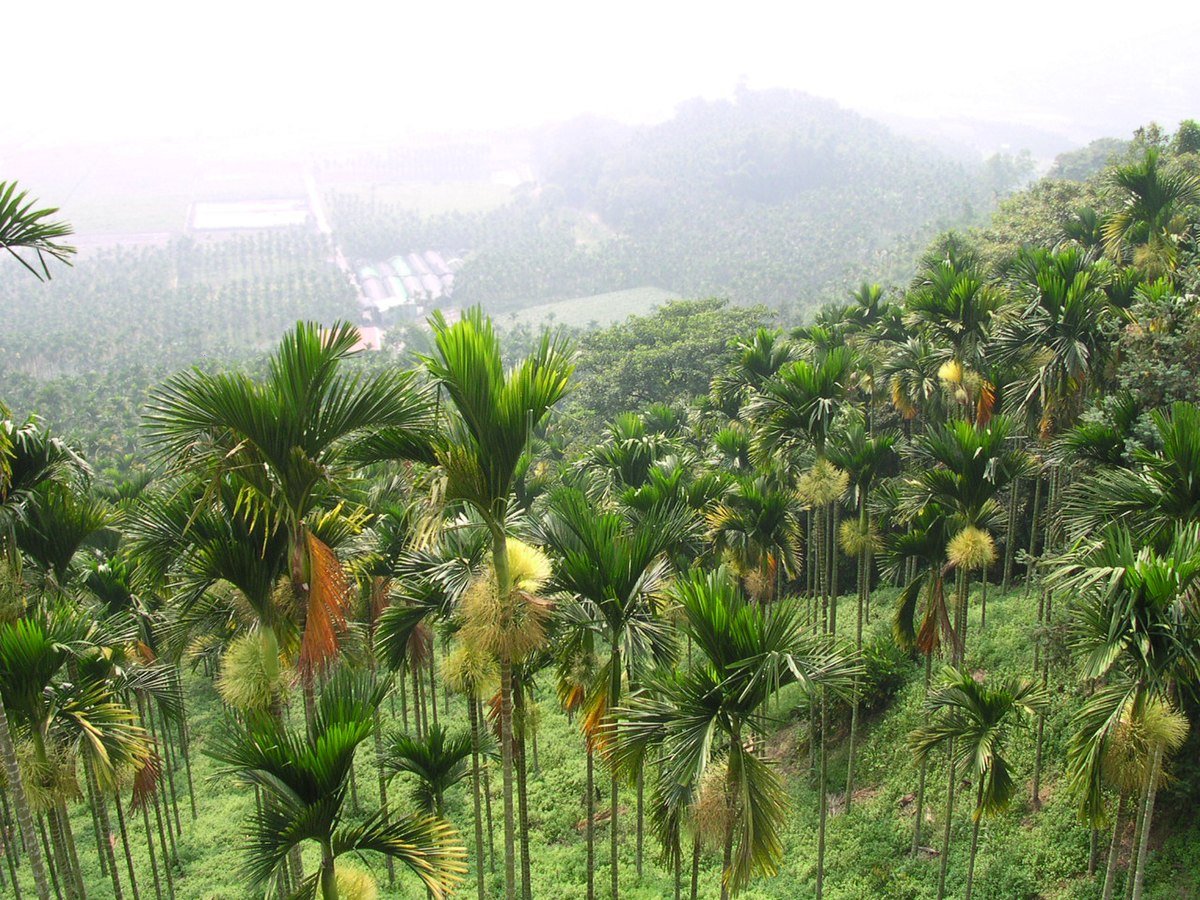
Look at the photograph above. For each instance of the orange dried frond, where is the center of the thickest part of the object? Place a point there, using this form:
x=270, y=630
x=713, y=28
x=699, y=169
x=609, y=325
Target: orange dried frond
x=328, y=598
x=145, y=781
x=985, y=406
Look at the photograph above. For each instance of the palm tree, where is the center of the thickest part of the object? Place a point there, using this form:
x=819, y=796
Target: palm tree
x=911, y=371
x=438, y=761
x=30, y=458
x=22, y=227
x=865, y=459
x=1056, y=333
x=1151, y=219
x=613, y=563
x=961, y=468
x=974, y=721
x=304, y=780
x=65, y=713
x=1136, y=633
x=289, y=443
x=497, y=411
x=759, y=526
x=1160, y=489
x=953, y=305
x=705, y=718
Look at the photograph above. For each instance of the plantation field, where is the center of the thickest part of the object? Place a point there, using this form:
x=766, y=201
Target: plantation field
x=430, y=198
x=1022, y=854
x=599, y=309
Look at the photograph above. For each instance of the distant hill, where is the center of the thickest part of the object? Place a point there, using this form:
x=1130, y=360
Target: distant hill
x=598, y=309
x=774, y=197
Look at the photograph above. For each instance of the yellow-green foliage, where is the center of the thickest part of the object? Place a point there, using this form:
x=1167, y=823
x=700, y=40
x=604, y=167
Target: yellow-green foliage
x=972, y=548
x=355, y=884
x=252, y=676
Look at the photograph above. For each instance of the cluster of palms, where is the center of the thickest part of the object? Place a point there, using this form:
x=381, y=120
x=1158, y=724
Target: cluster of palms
x=338, y=537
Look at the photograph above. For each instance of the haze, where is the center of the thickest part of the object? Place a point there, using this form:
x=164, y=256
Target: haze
x=102, y=73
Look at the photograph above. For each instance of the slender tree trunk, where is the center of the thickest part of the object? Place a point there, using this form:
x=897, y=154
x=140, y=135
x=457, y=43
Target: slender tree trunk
x=48, y=854
x=823, y=777
x=503, y=587
x=695, y=866
x=1139, y=820
x=522, y=789
x=506, y=761
x=183, y=743
x=727, y=864
x=481, y=718
x=614, y=697
x=383, y=796
x=472, y=715
x=1114, y=849
x=591, y=821
x=10, y=846
x=95, y=813
x=945, y=860
x=329, y=889
x=974, y=840
x=107, y=854
x=1143, y=848
x=433, y=682
x=1033, y=533
x=1010, y=539
x=640, y=821
x=133, y=886
x=150, y=846
x=924, y=768
x=21, y=804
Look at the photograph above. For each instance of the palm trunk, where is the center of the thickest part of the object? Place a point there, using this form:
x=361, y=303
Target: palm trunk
x=1110, y=868
x=125, y=846
x=834, y=515
x=591, y=821
x=824, y=801
x=640, y=821
x=1033, y=533
x=695, y=866
x=1010, y=539
x=863, y=588
x=727, y=863
x=433, y=682
x=503, y=586
x=974, y=840
x=614, y=697
x=101, y=808
x=1143, y=847
x=916, y=844
x=21, y=805
x=481, y=718
x=945, y=860
x=49, y=856
x=474, y=720
x=522, y=790
x=150, y=845
x=329, y=889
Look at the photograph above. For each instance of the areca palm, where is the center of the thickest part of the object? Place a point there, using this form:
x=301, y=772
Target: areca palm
x=613, y=563
x=711, y=715
x=866, y=460
x=30, y=458
x=1058, y=331
x=304, y=780
x=1151, y=219
x=65, y=714
x=289, y=443
x=961, y=469
x=497, y=410
x=974, y=721
x=24, y=227
x=1160, y=489
x=759, y=524
x=438, y=761
x=1136, y=633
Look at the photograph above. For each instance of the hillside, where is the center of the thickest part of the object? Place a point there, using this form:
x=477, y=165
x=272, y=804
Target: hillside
x=774, y=197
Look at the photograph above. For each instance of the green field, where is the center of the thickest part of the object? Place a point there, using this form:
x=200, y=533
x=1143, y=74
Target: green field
x=428, y=198
x=598, y=309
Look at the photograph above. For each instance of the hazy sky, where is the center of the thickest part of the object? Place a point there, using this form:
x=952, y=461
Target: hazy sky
x=137, y=69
